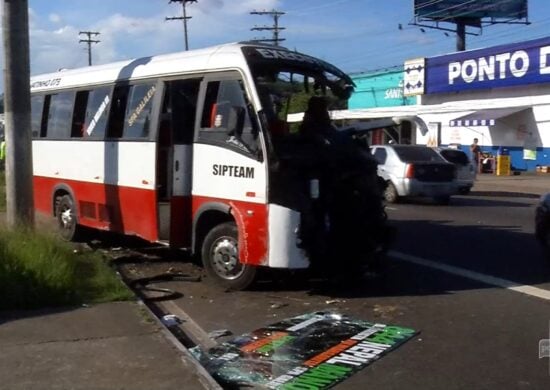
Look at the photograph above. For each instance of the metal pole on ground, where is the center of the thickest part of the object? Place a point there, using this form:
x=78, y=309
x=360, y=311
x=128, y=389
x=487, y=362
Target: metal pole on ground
x=17, y=108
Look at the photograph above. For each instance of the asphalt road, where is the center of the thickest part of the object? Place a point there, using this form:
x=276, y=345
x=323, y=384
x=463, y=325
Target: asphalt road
x=474, y=333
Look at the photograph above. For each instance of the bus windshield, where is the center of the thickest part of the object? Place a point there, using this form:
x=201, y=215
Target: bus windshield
x=286, y=81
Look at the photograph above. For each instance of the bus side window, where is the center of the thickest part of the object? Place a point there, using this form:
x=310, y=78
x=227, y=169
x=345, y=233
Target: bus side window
x=37, y=112
x=137, y=123
x=183, y=96
x=60, y=115
x=225, y=117
x=79, y=114
x=97, y=111
x=118, y=110
x=45, y=115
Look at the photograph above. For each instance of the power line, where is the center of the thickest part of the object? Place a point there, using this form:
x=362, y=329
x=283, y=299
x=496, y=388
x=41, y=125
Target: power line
x=89, y=42
x=311, y=9
x=184, y=17
x=275, y=28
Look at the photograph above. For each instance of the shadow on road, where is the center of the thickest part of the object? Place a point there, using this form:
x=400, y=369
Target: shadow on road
x=505, y=194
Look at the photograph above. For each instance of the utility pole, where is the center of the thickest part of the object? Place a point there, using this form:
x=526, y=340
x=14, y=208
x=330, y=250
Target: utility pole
x=89, y=41
x=17, y=106
x=275, y=28
x=184, y=17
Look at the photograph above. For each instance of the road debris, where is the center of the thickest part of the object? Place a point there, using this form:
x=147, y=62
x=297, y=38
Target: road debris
x=171, y=320
x=333, y=301
x=278, y=305
x=216, y=334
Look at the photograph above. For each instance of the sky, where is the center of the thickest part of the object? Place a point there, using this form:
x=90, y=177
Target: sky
x=355, y=35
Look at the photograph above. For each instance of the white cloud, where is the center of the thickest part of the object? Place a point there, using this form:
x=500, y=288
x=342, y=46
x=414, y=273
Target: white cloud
x=235, y=7
x=54, y=18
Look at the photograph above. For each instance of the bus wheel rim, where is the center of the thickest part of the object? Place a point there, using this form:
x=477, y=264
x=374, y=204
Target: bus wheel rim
x=225, y=258
x=67, y=218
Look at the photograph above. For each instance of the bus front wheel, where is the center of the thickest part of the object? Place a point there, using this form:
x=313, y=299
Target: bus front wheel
x=220, y=257
x=66, y=218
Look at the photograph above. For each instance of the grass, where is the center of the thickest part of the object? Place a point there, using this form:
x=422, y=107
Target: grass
x=39, y=270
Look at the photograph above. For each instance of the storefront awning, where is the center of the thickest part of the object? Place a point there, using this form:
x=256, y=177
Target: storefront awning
x=485, y=117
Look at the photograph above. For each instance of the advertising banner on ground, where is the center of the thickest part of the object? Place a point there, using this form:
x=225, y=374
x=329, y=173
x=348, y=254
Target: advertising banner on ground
x=312, y=351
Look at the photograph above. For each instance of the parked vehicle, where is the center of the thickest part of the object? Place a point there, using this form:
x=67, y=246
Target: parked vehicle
x=465, y=168
x=542, y=223
x=414, y=170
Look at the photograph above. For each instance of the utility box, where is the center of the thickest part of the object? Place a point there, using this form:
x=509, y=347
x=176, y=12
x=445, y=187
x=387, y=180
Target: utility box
x=503, y=162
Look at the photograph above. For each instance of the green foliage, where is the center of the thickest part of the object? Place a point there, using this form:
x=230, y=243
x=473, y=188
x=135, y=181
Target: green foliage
x=39, y=270
x=2, y=190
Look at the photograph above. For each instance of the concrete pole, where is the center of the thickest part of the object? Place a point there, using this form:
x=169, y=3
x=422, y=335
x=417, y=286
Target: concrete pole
x=17, y=109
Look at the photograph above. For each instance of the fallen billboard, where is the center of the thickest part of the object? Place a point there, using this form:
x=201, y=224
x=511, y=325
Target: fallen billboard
x=313, y=351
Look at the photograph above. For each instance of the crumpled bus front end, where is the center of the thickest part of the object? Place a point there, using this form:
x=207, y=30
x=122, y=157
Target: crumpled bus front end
x=330, y=213
x=324, y=196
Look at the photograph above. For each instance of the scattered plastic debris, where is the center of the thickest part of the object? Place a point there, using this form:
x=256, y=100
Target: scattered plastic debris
x=171, y=320
x=216, y=334
x=278, y=305
x=333, y=301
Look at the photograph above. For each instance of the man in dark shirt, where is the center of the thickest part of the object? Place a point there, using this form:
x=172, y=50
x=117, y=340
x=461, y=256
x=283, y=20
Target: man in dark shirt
x=476, y=152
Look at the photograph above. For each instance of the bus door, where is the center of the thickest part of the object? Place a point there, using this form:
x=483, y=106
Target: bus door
x=174, y=160
x=229, y=166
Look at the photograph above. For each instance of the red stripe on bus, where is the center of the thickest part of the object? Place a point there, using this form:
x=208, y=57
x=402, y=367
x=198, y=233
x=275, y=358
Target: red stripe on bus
x=116, y=208
x=251, y=220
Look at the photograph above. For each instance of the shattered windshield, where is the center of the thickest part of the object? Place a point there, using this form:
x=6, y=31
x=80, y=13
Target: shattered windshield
x=286, y=81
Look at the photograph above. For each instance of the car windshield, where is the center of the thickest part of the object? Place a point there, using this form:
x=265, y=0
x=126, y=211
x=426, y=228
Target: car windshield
x=455, y=156
x=417, y=154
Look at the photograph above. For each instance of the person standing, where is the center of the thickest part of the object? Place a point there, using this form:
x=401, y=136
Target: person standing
x=476, y=153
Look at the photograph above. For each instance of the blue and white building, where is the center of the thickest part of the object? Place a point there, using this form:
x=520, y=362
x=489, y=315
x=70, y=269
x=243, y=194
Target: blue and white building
x=500, y=95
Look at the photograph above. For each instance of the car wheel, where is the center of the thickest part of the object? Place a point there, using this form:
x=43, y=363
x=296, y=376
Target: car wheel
x=220, y=257
x=67, y=223
x=464, y=190
x=390, y=193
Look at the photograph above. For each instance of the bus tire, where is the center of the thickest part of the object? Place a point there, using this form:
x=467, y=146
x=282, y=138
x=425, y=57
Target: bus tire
x=65, y=214
x=220, y=258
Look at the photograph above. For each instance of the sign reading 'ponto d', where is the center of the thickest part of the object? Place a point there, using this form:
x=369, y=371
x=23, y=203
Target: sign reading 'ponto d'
x=500, y=66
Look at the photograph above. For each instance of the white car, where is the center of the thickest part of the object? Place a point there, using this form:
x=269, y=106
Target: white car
x=465, y=168
x=415, y=170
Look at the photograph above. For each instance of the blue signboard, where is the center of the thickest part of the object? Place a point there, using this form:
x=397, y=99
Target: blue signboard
x=499, y=66
x=448, y=9
x=381, y=89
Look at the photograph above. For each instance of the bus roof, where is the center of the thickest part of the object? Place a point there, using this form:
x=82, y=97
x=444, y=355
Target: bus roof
x=227, y=56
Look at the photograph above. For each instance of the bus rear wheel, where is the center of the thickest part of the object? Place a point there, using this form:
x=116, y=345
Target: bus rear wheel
x=220, y=257
x=65, y=213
